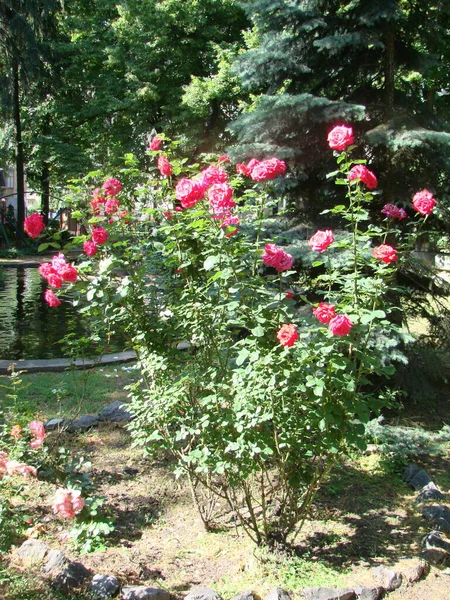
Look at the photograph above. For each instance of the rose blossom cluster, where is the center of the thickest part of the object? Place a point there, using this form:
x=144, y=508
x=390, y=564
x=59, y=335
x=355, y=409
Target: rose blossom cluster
x=339, y=325
x=33, y=225
x=38, y=430
x=56, y=273
x=274, y=256
x=262, y=170
x=14, y=467
x=104, y=199
x=362, y=173
x=67, y=502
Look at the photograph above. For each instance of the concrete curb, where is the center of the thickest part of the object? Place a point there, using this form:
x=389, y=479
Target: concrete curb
x=62, y=364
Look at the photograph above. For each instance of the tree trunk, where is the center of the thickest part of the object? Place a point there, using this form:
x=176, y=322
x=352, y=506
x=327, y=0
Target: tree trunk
x=20, y=170
x=389, y=89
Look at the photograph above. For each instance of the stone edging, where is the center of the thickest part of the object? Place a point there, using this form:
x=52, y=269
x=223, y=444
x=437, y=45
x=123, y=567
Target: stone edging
x=62, y=364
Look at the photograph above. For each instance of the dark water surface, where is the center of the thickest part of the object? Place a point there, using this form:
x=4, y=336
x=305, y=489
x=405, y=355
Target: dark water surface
x=29, y=328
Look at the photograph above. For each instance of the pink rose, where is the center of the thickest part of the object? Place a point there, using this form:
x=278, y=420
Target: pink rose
x=67, y=503
x=112, y=186
x=362, y=173
x=276, y=257
x=213, y=175
x=164, y=166
x=33, y=225
x=241, y=168
x=394, y=212
x=340, y=325
x=424, y=202
x=320, y=241
x=156, y=142
x=68, y=273
x=287, y=335
x=51, y=298
x=340, y=137
x=189, y=192
x=99, y=235
x=38, y=431
x=267, y=169
x=45, y=269
x=224, y=158
x=14, y=467
x=112, y=206
x=90, y=248
x=289, y=294
x=55, y=280
x=220, y=198
x=324, y=312
x=95, y=207
x=58, y=262
x=385, y=253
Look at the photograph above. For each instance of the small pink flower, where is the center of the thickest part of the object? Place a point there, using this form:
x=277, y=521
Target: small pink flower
x=99, y=235
x=424, y=202
x=111, y=187
x=51, y=298
x=112, y=205
x=324, y=312
x=67, y=503
x=320, y=241
x=362, y=173
x=38, y=431
x=90, y=248
x=385, y=253
x=156, y=142
x=287, y=335
x=33, y=225
x=164, y=166
x=340, y=137
x=394, y=212
x=45, y=269
x=14, y=467
x=340, y=325
x=267, y=169
x=59, y=261
x=276, y=257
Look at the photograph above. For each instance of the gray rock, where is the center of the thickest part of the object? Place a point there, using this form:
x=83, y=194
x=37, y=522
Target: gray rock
x=323, y=593
x=32, y=551
x=417, y=572
x=277, y=594
x=73, y=576
x=202, y=593
x=410, y=471
x=104, y=586
x=369, y=593
x=434, y=540
x=437, y=511
x=82, y=423
x=389, y=579
x=56, y=560
x=244, y=596
x=115, y=412
x=420, y=480
x=442, y=525
x=142, y=592
x=55, y=424
x=435, y=557
x=429, y=492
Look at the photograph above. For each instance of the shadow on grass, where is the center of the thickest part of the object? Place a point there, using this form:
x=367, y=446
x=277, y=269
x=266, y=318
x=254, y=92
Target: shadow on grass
x=132, y=517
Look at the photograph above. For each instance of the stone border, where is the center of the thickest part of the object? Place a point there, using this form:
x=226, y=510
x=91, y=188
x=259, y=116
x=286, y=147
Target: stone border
x=63, y=364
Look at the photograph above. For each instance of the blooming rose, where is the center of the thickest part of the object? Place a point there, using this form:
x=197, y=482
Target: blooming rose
x=3, y=461
x=67, y=503
x=340, y=137
x=111, y=187
x=164, y=166
x=220, y=198
x=424, y=202
x=394, y=212
x=68, y=273
x=112, y=206
x=90, y=248
x=340, y=325
x=58, y=262
x=51, y=298
x=45, y=269
x=99, y=235
x=14, y=467
x=33, y=225
x=289, y=294
x=156, y=142
x=228, y=223
x=224, y=158
x=189, y=192
x=276, y=257
x=324, y=312
x=241, y=168
x=212, y=175
x=287, y=335
x=321, y=240
x=55, y=280
x=362, y=172
x=385, y=253
x=267, y=169
x=95, y=207
x=38, y=431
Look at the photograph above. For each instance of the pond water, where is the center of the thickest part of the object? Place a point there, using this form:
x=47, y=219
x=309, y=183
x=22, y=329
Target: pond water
x=29, y=328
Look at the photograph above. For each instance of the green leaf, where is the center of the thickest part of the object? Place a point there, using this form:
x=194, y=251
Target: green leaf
x=43, y=247
x=258, y=331
x=211, y=262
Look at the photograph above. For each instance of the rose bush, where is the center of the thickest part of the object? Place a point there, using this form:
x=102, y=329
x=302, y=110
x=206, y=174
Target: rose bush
x=258, y=409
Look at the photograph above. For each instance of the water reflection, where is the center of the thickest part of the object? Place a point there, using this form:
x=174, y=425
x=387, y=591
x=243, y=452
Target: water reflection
x=29, y=328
